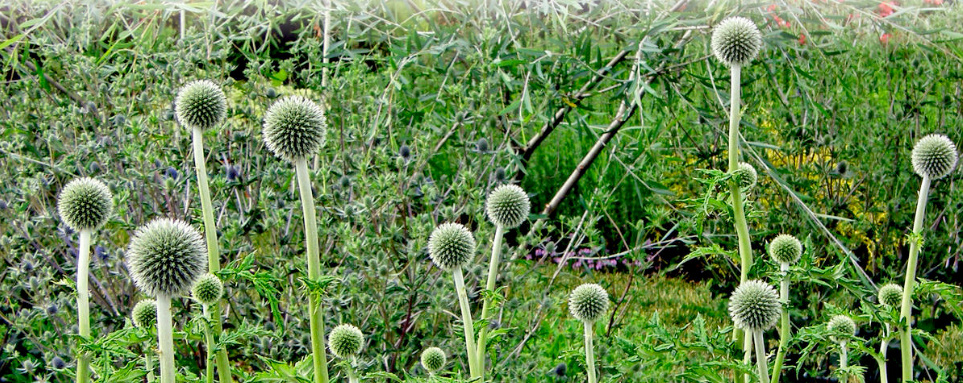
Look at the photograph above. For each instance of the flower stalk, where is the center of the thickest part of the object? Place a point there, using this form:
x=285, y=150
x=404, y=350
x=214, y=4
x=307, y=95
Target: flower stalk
x=318, y=353
x=83, y=303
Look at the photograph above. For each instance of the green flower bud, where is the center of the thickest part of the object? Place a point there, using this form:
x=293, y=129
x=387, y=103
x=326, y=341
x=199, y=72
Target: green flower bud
x=451, y=245
x=200, y=104
x=166, y=257
x=785, y=249
x=588, y=302
x=891, y=295
x=841, y=327
x=746, y=176
x=144, y=314
x=736, y=41
x=934, y=156
x=85, y=204
x=433, y=359
x=294, y=128
x=345, y=341
x=208, y=289
x=508, y=206
x=754, y=306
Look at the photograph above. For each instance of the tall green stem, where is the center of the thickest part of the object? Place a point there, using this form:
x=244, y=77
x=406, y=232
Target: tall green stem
x=83, y=303
x=466, y=322
x=742, y=227
x=165, y=338
x=314, y=271
x=490, y=286
x=747, y=355
x=209, y=344
x=213, y=251
x=761, y=357
x=784, y=323
x=352, y=375
x=149, y=365
x=883, y=346
x=906, y=311
x=590, y=352
x=843, y=356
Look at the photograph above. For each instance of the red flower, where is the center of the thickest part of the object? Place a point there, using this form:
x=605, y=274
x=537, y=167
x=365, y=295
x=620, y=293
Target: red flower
x=802, y=39
x=885, y=9
x=885, y=38
x=772, y=7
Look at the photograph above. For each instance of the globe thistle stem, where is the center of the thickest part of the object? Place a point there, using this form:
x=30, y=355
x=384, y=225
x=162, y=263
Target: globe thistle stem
x=742, y=227
x=352, y=375
x=881, y=361
x=466, y=322
x=314, y=271
x=490, y=286
x=210, y=235
x=165, y=337
x=747, y=356
x=208, y=344
x=784, y=322
x=761, y=356
x=590, y=351
x=843, y=356
x=83, y=302
x=149, y=365
x=906, y=310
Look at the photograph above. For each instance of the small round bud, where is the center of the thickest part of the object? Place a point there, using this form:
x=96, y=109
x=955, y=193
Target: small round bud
x=166, y=257
x=57, y=363
x=891, y=295
x=85, y=204
x=144, y=314
x=345, y=341
x=754, y=306
x=588, y=302
x=746, y=176
x=481, y=145
x=200, y=104
x=560, y=369
x=785, y=249
x=934, y=156
x=451, y=245
x=208, y=289
x=433, y=359
x=841, y=327
x=508, y=206
x=736, y=41
x=294, y=128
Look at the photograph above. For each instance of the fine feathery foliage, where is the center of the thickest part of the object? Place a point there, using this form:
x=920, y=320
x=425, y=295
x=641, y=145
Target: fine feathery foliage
x=85, y=204
x=294, y=127
x=754, y=306
x=165, y=257
x=200, y=104
x=451, y=245
x=588, y=302
x=736, y=41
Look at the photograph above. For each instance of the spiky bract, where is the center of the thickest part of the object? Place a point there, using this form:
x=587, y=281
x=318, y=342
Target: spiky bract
x=754, y=306
x=746, y=176
x=508, y=205
x=200, y=104
x=841, y=327
x=736, y=41
x=85, y=204
x=785, y=249
x=345, y=341
x=891, y=295
x=144, y=314
x=588, y=302
x=451, y=245
x=433, y=359
x=208, y=289
x=934, y=156
x=294, y=128
x=166, y=257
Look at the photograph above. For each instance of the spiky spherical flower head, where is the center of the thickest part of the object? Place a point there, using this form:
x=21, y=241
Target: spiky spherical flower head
x=451, y=245
x=588, y=302
x=841, y=327
x=208, y=289
x=746, y=176
x=934, y=156
x=754, y=306
x=200, y=104
x=144, y=314
x=85, y=204
x=891, y=295
x=785, y=249
x=433, y=359
x=345, y=341
x=166, y=257
x=508, y=206
x=736, y=41
x=294, y=128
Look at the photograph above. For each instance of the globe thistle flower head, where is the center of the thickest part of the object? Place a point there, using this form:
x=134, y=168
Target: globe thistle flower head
x=508, y=205
x=451, y=245
x=841, y=327
x=433, y=359
x=294, y=127
x=200, y=104
x=85, y=204
x=746, y=176
x=144, y=314
x=736, y=41
x=166, y=257
x=208, y=289
x=754, y=306
x=934, y=156
x=588, y=302
x=891, y=295
x=785, y=249
x=345, y=341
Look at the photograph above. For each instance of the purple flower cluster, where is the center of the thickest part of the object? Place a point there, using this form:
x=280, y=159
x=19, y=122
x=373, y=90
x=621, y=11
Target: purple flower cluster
x=580, y=259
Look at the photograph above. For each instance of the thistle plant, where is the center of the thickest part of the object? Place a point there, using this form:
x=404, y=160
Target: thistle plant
x=754, y=307
x=842, y=329
x=934, y=156
x=784, y=250
x=745, y=176
x=294, y=129
x=507, y=207
x=433, y=359
x=345, y=342
x=450, y=247
x=201, y=105
x=165, y=258
x=207, y=291
x=890, y=297
x=587, y=304
x=735, y=42
x=84, y=205
x=144, y=316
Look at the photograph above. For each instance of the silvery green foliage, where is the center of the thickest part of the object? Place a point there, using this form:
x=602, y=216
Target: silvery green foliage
x=166, y=257
x=785, y=249
x=200, y=104
x=745, y=176
x=85, y=204
x=433, y=359
x=754, y=306
x=588, y=302
x=736, y=41
x=144, y=314
x=294, y=128
x=841, y=327
x=891, y=295
x=508, y=205
x=934, y=156
x=345, y=341
x=451, y=245
x=208, y=289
